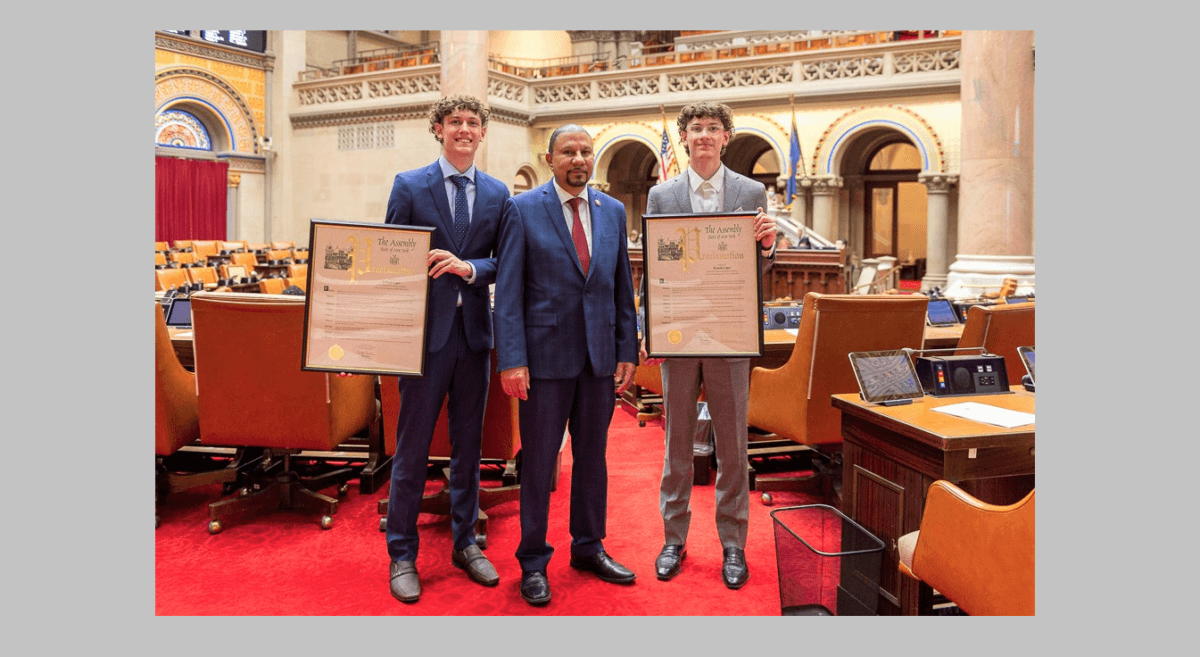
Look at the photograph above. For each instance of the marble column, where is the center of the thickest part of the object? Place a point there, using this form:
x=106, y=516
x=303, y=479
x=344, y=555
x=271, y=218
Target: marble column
x=825, y=190
x=464, y=71
x=938, y=248
x=995, y=232
x=232, y=229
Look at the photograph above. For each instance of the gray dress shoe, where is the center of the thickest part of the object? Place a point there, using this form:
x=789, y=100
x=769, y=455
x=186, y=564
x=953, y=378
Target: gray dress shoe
x=405, y=585
x=472, y=560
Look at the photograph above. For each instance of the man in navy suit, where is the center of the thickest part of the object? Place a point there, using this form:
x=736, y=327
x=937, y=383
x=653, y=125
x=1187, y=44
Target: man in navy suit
x=464, y=205
x=565, y=330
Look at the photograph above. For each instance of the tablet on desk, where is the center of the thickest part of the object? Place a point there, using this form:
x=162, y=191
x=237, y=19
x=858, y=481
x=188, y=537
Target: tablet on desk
x=1027, y=359
x=179, y=315
x=886, y=377
x=941, y=313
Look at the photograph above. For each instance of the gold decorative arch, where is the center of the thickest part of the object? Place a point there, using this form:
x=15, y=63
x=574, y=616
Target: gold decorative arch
x=827, y=155
x=184, y=85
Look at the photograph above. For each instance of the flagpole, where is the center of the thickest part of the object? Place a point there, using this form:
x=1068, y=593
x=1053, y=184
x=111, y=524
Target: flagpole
x=670, y=142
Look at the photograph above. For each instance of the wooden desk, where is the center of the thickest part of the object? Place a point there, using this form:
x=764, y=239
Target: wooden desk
x=891, y=455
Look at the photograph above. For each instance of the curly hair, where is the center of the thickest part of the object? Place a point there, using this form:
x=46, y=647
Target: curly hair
x=704, y=110
x=450, y=104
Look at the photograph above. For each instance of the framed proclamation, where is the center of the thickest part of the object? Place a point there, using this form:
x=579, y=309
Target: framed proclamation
x=703, y=285
x=368, y=293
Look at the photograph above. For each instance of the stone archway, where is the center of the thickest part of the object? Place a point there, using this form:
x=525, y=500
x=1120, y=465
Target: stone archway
x=626, y=169
x=212, y=99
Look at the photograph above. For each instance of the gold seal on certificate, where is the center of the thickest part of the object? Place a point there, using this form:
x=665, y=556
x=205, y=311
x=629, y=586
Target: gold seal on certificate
x=674, y=337
x=336, y=352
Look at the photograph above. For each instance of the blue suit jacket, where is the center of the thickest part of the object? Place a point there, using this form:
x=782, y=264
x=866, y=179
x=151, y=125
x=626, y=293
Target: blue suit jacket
x=419, y=199
x=549, y=317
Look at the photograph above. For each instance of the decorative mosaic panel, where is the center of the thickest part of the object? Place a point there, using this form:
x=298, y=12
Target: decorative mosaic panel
x=181, y=129
x=174, y=85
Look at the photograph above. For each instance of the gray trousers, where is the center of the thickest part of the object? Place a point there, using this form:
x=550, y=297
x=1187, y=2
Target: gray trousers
x=727, y=390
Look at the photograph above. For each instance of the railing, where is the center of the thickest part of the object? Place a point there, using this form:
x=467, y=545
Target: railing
x=682, y=53
x=572, y=84
x=534, y=69
x=379, y=59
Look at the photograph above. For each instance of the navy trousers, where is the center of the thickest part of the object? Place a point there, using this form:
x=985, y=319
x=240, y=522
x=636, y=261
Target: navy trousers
x=583, y=406
x=462, y=373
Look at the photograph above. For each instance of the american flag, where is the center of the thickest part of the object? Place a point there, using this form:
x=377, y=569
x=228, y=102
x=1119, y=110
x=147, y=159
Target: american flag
x=667, y=156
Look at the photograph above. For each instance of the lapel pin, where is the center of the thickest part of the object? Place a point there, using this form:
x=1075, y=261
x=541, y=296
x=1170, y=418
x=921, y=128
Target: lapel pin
x=597, y=202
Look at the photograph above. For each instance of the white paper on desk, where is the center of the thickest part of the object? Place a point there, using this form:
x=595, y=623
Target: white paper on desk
x=1001, y=417
x=793, y=331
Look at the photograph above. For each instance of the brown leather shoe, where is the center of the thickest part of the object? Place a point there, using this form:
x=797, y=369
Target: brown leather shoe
x=478, y=568
x=405, y=585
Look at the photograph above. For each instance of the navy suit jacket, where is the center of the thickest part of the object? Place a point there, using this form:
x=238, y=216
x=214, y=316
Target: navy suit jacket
x=549, y=316
x=419, y=199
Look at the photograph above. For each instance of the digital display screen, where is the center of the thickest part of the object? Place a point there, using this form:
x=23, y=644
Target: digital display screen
x=255, y=40
x=180, y=313
x=941, y=312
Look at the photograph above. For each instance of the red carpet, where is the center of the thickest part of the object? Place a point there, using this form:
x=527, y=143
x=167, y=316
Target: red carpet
x=283, y=564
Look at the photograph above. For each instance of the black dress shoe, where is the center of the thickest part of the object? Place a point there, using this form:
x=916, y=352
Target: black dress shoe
x=734, y=571
x=605, y=567
x=535, y=588
x=669, y=560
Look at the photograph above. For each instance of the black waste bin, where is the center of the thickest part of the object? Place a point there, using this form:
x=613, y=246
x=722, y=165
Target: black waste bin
x=828, y=564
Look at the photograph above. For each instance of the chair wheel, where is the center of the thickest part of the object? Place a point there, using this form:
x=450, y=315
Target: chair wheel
x=244, y=491
x=215, y=527
x=383, y=524
x=766, y=499
x=343, y=489
x=326, y=522
x=641, y=423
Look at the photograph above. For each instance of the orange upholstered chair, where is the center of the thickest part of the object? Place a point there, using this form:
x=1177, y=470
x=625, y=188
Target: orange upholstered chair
x=297, y=271
x=299, y=281
x=793, y=401
x=205, y=248
x=160, y=258
x=166, y=279
x=279, y=255
x=253, y=393
x=979, y=555
x=206, y=275
x=272, y=285
x=501, y=445
x=183, y=245
x=182, y=257
x=1000, y=329
x=161, y=247
x=286, y=245
x=235, y=247
x=177, y=423
x=247, y=260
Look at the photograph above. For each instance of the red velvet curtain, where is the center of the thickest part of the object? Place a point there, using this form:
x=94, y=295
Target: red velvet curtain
x=189, y=199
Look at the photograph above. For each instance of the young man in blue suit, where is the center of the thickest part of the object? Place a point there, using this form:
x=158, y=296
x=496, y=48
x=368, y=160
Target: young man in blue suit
x=708, y=186
x=566, y=329
x=464, y=205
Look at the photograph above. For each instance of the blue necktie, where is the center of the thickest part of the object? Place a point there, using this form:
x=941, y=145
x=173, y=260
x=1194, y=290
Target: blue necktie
x=462, y=215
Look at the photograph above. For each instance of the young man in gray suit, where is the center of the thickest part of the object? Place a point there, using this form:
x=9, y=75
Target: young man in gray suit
x=708, y=186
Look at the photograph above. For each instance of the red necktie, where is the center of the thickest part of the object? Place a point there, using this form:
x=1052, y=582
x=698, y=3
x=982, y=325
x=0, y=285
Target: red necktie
x=581, y=247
